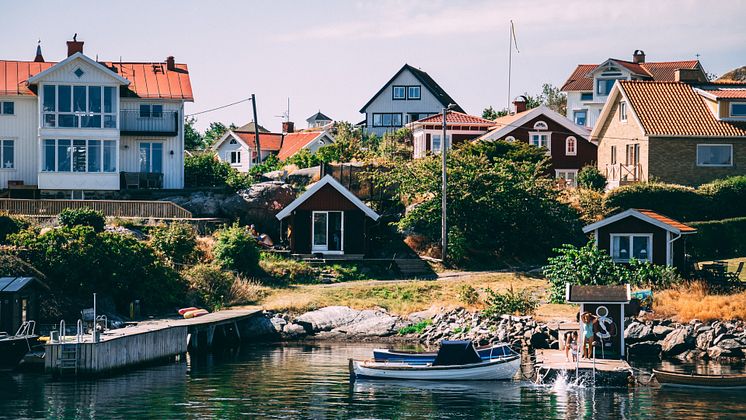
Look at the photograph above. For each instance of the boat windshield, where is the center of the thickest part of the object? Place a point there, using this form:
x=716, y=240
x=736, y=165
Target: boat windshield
x=456, y=353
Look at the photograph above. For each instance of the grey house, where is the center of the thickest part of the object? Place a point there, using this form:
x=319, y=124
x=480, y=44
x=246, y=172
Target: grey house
x=409, y=96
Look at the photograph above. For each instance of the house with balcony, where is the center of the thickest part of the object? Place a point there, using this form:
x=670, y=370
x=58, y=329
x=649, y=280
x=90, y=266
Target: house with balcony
x=683, y=132
x=82, y=128
x=460, y=127
x=410, y=95
x=588, y=87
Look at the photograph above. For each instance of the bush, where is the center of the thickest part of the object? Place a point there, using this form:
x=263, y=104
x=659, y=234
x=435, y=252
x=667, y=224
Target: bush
x=235, y=249
x=205, y=170
x=726, y=197
x=718, y=239
x=211, y=285
x=285, y=270
x=676, y=201
x=417, y=328
x=176, y=242
x=467, y=294
x=84, y=216
x=10, y=224
x=304, y=158
x=591, y=178
x=510, y=302
x=246, y=292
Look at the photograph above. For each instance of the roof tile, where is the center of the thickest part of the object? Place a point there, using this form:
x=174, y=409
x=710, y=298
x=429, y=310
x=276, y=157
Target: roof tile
x=667, y=220
x=453, y=117
x=293, y=142
x=660, y=71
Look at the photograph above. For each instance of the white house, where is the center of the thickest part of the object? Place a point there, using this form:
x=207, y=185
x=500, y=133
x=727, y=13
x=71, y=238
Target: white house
x=408, y=96
x=589, y=85
x=82, y=129
x=238, y=146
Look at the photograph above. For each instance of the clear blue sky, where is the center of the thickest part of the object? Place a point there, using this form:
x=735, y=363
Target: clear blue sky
x=334, y=55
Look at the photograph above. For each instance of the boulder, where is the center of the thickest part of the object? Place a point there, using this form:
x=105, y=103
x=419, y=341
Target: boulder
x=704, y=340
x=370, y=323
x=259, y=326
x=645, y=349
x=637, y=331
x=717, y=352
x=262, y=201
x=278, y=323
x=327, y=319
x=677, y=342
x=293, y=331
x=661, y=331
x=539, y=340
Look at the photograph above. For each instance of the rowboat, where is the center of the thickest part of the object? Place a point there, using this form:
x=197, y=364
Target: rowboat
x=494, y=351
x=14, y=347
x=668, y=378
x=455, y=361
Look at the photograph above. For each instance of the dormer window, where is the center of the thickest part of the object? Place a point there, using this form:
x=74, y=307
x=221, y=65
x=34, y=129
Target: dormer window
x=738, y=109
x=603, y=86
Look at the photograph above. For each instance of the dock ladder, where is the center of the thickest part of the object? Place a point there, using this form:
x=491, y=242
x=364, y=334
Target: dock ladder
x=67, y=362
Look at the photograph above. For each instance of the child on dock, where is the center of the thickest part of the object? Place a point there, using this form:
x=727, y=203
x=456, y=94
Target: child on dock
x=571, y=346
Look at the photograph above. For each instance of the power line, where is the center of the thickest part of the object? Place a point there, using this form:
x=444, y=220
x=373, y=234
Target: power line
x=217, y=108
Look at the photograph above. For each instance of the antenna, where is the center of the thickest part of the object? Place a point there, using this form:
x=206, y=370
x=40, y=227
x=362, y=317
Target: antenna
x=285, y=115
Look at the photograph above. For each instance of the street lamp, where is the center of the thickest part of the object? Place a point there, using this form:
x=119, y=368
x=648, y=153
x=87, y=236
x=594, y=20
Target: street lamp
x=443, y=150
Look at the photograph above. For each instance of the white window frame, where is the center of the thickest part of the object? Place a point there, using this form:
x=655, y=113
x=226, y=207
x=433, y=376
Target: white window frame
x=2, y=108
x=232, y=141
x=575, y=116
x=559, y=173
x=440, y=144
x=510, y=138
x=541, y=133
x=730, y=110
x=419, y=93
x=2, y=154
x=114, y=111
x=571, y=140
x=541, y=125
x=649, y=237
x=394, y=97
x=715, y=165
x=150, y=162
x=234, y=157
x=325, y=248
x=102, y=143
x=623, y=111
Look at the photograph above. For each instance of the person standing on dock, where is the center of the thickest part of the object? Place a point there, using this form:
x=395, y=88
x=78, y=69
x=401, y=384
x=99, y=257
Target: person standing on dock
x=587, y=324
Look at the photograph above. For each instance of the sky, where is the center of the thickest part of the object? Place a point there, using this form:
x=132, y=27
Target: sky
x=335, y=55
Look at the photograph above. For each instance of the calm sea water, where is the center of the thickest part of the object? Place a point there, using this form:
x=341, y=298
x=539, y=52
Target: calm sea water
x=312, y=381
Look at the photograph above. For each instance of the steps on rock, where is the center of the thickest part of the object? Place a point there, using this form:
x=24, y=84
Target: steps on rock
x=414, y=268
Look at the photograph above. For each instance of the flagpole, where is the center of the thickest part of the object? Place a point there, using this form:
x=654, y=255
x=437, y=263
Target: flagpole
x=510, y=59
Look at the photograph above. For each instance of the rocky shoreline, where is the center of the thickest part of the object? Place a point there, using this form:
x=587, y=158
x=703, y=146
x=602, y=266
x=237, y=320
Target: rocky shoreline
x=665, y=339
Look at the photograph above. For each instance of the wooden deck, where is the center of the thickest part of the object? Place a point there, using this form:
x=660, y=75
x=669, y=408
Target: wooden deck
x=550, y=363
x=110, y=208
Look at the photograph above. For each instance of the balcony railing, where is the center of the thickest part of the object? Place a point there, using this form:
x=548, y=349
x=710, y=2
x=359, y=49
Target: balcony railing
x=132, y=123
x=624, y=173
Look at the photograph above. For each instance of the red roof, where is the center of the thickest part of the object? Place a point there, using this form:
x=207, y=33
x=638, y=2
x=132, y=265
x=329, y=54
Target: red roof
x=727, y=93
x=267, y=141
x=453, y=117
x=667, y=220
x=293, y=142
x=658, y=71
x=147, y=80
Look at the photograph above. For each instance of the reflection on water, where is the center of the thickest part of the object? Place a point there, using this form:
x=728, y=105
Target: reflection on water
x=311, y=380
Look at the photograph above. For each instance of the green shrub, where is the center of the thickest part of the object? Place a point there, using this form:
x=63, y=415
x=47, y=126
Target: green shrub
x=591, y=178
x=676, y=201
x=717, y=239
x=645, y=274
x=205, y=170
x=510, y=302
x=304, y=158
x=726, y=197
x=211, y=284
x=10, y=224
x=177, y=242
x=417, y=328
x=467, y=294
x=235, y=249
x=84, y=216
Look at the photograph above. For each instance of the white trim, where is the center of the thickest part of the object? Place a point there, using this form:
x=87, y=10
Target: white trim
x=715, y=166
x=326, y=250
x=621, y=321
x=328, y=179
x=230, y=133
x=500, y=130
x=78, y=56
x=669, y=251
x=541, y=125
x=634, y=213
x=623, y=111
x=575, y=146
x=630, y=235
x=548, y=146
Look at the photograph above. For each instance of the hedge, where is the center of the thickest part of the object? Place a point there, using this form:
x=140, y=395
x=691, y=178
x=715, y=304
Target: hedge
x=717, y=239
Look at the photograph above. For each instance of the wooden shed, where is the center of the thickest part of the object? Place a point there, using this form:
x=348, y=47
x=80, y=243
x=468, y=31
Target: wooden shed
x=19, y=301
x=643, y=235
x=607, y=304
x=327, y=220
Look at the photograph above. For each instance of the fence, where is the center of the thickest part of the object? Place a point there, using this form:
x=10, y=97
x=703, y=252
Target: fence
x=111, y=208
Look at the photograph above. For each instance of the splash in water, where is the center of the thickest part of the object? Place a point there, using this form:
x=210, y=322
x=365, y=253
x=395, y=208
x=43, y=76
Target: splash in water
x=563, y=383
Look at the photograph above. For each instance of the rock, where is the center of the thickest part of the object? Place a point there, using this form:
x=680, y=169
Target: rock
x=278, y=323
x=636, y=332
x=293, y=330
x=717, y=352
x=327, y=319
x=661, y=331
x=262, y=201
x=704, y=340
x=259, y=326
x=677, y=342
x=730, y=344
x=416, y=317
x=370, y=324
x=645, y=349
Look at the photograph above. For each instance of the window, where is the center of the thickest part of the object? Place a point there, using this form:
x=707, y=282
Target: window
x=7, y=154
x=68, y=106
x=580, y=117
x=64, y=155
x=386, y=120
x=540, y=125
x=235, y=157
x=400, y=93
x=151, y=157
x=570, y=176
x=510, y=138
x=586, y=96
x=436, y=143
x=714, y=155
x=623, y=111
x=413, y=92
x=613, y=155
x=571, y=146
x=737, y=109
x=632, y=153
x=540, y=140
x=627, y=246
x=7, y=108
x=233, y=141
x=327, y=231
x=151, y=111
x=603, y=86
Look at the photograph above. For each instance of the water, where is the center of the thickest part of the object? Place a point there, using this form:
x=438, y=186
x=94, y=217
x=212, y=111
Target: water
x=312, y=381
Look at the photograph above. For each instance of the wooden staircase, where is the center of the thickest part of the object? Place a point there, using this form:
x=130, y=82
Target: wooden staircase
x=414, y=268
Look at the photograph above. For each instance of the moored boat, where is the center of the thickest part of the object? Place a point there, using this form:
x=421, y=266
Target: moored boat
x=14, y=347
x=455, y=361
x=669, y=378
x=494, y=351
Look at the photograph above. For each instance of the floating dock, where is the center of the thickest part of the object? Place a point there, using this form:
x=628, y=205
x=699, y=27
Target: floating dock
x=146, y=342
x=605, y=372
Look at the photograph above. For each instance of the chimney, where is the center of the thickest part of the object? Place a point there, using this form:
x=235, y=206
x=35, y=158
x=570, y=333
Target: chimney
x=74, y=46
x=638, y=56
x=39, y=58
x=689, y=76
x=288, y=127
x=520, y=104
x=170, y=63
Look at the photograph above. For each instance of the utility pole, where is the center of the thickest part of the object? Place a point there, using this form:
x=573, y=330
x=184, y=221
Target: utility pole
x=443, y=227
x=256, y=131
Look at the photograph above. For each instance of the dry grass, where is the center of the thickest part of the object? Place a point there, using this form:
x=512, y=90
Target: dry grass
x=693, y=301
x=204, y=248
x=246, y=292
x=399, y=297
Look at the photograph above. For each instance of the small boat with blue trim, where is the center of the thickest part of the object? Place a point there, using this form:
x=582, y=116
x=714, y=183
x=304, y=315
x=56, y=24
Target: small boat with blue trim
x=494, y=351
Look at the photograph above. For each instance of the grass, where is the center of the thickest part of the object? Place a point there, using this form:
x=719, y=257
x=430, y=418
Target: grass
x=693, y=301
x=732, y=265
x=417, y=328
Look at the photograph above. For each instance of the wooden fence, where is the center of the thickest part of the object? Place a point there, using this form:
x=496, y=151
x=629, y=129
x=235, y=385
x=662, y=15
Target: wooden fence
x=111, y=208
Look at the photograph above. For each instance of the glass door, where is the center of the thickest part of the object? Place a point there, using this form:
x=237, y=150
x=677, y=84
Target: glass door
x=320, y=235
x=327, y=231
x=334, y=231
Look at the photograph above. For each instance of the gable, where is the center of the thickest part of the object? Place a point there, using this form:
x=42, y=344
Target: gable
x=78, y=68
x=504, y=126
x=326, y=199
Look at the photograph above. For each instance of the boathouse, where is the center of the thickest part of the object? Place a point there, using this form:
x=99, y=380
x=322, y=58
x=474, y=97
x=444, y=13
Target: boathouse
x=19, y=301
x=644, y=235
x=328, y=221
x=607, y=305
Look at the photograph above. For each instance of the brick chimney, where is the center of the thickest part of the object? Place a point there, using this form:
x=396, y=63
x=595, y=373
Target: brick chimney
x=520, y=104
x=638, y=56
x=689, y=76
x=74, y=46
x=288, y=127
x=170, y=63
x=39, y=58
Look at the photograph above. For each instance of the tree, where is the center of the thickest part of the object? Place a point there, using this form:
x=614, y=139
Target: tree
x=489, y=113
x=84, y=216
x=533, y=101
x=205, y=170
x=590, y=177
x=175, y=242
x=214, y=132
x=192, y=138
x=554, y=99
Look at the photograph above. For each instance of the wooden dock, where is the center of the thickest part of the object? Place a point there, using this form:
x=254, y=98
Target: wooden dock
x=146, y=342
x=609, y=372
